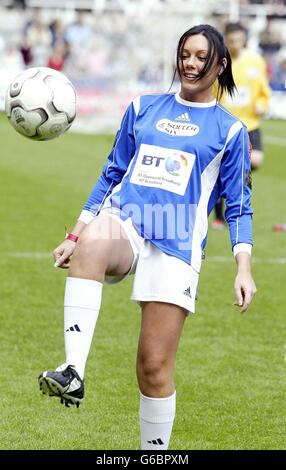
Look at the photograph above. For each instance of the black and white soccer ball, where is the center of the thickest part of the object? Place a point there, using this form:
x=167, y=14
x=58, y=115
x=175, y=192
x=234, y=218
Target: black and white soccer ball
x=40, y=103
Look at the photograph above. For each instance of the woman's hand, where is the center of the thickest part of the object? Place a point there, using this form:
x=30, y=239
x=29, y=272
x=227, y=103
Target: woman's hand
x=65, y=250
x=244, y=284
x=63, y=253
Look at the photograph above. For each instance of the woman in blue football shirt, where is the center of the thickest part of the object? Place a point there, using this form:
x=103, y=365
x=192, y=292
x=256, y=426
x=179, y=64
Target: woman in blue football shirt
x=173, y=157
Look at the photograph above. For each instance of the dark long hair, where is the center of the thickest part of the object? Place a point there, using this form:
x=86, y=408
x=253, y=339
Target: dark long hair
x=217, y=51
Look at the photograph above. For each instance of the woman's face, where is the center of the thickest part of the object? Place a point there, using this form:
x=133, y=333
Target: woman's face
x=192, y=60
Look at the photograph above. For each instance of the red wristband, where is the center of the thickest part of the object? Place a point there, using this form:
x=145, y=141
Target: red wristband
x=72, y=237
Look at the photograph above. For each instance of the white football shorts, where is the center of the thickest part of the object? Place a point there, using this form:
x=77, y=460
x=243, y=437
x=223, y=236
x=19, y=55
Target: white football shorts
x=157, y=276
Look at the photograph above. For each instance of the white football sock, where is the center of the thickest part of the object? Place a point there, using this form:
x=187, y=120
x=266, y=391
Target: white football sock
x=156, y=421
x=81, y=308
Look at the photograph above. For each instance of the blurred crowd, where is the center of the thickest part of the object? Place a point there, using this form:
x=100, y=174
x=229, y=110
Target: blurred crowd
x=112, y=50
x=94, y=50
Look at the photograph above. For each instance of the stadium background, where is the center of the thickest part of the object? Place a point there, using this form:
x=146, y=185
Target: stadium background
x=230, y=369
x=115, y=49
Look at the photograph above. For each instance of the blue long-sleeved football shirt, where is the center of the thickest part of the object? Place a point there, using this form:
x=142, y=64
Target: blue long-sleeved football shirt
x=171, y=161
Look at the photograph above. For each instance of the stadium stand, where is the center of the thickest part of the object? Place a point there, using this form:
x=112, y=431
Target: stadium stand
x=113, y=50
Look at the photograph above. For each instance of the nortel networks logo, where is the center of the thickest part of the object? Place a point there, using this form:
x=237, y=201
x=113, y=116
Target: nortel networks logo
x=174, y=166
x=177, y=128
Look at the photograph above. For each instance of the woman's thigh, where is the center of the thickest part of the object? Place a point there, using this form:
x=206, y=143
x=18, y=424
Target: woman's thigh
x=103, y=248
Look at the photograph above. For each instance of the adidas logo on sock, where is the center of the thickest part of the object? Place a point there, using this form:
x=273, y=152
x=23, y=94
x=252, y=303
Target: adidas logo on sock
x=156, y=442
x=188, y=292
x=74, y=328
x=183, y=117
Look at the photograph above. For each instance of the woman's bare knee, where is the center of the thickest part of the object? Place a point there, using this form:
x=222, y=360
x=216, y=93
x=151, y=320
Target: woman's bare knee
x=155, y=376
x=89, y=260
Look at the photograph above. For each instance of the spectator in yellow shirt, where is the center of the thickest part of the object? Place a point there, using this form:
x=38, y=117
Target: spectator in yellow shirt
x=251, y=100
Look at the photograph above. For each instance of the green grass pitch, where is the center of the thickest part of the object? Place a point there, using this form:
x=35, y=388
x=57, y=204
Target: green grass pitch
x=230, y=369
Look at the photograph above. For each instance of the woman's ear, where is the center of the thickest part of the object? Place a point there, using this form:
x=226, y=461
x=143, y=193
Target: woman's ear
x=223, y=65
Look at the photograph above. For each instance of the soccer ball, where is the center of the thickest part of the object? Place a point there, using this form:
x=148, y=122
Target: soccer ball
x=41, y=103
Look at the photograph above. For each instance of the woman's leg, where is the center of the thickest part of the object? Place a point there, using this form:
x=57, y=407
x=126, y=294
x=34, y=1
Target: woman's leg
x=160, y=333
x=103, y=248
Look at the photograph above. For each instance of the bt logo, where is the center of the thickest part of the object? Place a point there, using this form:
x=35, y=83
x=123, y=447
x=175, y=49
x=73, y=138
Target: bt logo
x=148, y=160
x=173, y=164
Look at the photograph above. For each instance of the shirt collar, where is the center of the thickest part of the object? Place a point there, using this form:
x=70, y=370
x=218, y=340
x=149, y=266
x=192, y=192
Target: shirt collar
x=194, y=104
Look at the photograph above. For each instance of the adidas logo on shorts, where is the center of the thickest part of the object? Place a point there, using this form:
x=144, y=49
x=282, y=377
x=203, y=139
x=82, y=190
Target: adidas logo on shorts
x=188, y=292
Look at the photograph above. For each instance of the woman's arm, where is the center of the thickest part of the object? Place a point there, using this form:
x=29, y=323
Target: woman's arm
x=113, y=171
